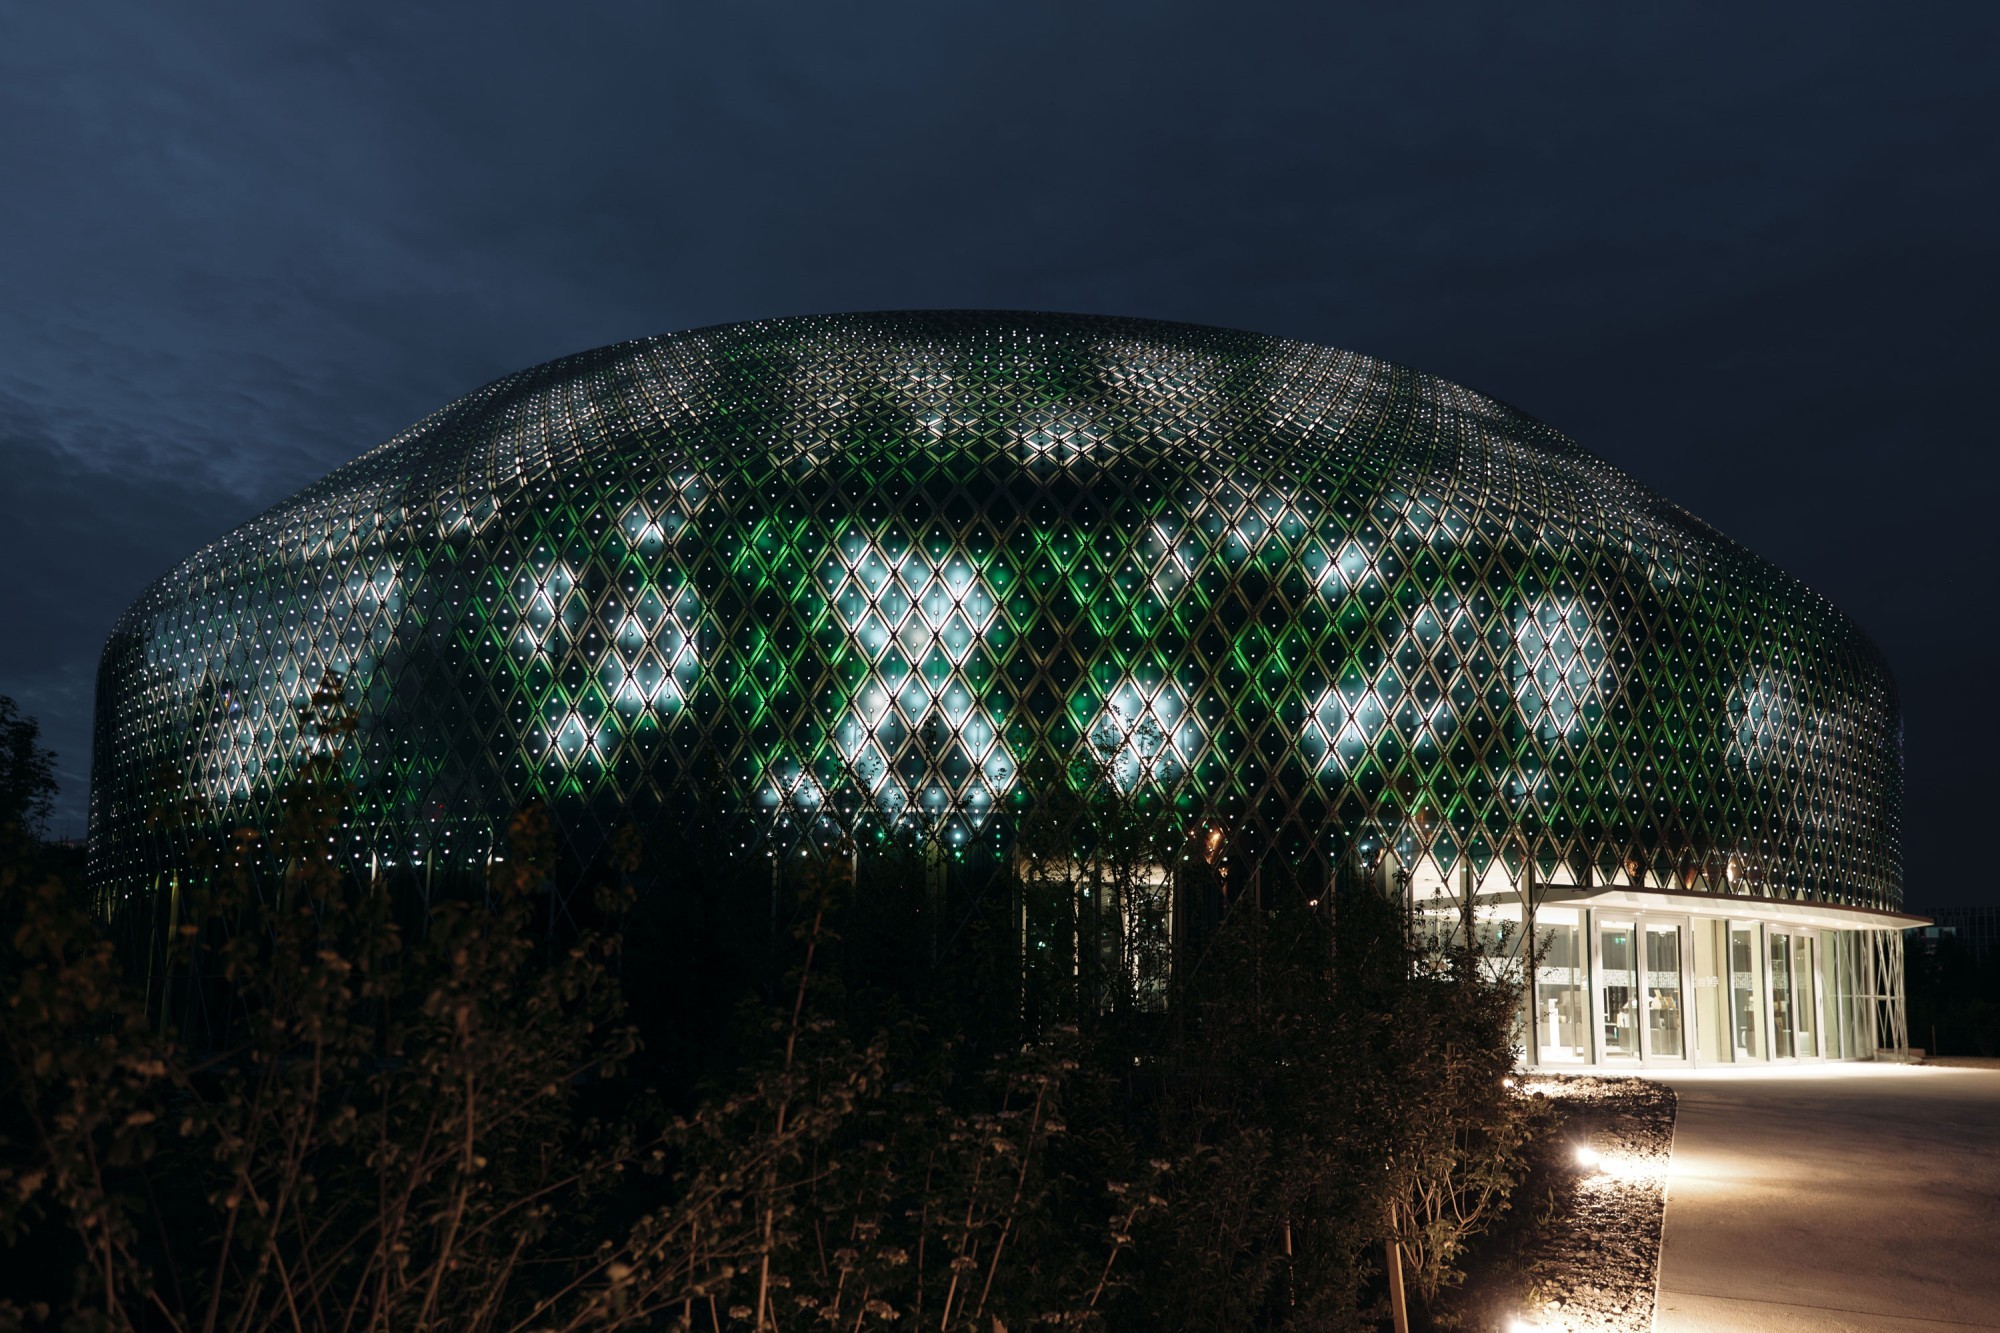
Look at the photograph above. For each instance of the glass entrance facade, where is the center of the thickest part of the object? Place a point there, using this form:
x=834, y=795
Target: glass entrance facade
x=1611, y=988
x=1624, y=988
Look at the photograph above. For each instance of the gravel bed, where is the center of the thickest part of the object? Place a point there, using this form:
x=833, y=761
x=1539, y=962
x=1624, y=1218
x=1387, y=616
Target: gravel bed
x=1595, y=1263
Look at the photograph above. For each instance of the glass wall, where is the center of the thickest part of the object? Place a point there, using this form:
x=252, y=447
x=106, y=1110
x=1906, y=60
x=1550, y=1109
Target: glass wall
x=1562, y=1018
x=1839, y=997
x=1794, y=983
x=1746, y=992
x=1665, y=1028
x=1711, y=1012
x=1781, y=996
x=1618, y=989
x=1623, y=987
x=1805, y=995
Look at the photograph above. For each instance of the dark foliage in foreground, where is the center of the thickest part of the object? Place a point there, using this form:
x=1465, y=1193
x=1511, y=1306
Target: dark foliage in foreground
x=457, y=1123
x=27, y=771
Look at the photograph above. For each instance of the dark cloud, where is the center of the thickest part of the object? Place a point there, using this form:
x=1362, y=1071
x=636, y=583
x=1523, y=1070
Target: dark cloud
x=1744, y=253
x=80, y=542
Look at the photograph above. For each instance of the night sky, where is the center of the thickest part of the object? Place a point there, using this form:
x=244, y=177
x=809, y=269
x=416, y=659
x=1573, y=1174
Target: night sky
x=1747, y=255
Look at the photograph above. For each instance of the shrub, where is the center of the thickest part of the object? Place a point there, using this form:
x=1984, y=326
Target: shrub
x=450, y=1121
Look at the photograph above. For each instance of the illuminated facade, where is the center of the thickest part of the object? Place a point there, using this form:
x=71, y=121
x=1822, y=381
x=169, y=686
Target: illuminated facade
x=1330, y=602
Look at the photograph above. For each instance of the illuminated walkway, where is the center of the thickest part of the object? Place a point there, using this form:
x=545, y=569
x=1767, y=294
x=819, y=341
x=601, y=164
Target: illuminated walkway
x=1832, y=1198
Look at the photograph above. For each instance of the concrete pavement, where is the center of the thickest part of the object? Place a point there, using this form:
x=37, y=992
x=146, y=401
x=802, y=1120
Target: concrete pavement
x=1833, y=1197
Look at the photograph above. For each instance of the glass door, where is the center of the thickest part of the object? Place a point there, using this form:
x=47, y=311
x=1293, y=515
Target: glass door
x=1781, y=997
x=1562, y=997
x=1640, y=996
x=1666, y=1035
x=1794, y=995
x=1745, y=991
x=1618, y=949
x=1805, y=997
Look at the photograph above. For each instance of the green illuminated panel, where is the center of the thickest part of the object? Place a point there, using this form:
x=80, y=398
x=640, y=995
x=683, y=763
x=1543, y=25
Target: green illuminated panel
x=893, y=558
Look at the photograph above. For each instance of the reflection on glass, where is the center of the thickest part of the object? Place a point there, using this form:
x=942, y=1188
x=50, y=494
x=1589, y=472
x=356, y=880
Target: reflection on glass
x=1781, y=997
x=1804, y=1004
x=1559, y=993
x=1663, y=992
x=1743, y=990
x=1621, y=991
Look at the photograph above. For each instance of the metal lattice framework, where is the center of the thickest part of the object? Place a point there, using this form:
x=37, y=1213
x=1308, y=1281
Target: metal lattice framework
x=900, y=554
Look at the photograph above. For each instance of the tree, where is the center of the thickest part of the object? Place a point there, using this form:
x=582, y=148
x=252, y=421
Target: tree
x=27, y=771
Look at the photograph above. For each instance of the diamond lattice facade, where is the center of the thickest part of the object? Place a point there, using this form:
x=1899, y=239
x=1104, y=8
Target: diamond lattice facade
x=1316, y=595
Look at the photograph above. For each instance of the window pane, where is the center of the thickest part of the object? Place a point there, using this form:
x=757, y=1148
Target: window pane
x=1663, y=992
x=1805, y=1004
x=1621, y=991
x=1744, y=993
x=1560, y=1022
x=1781, y=997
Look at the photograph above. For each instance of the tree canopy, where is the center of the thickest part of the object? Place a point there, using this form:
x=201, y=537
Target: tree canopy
x=27, y=770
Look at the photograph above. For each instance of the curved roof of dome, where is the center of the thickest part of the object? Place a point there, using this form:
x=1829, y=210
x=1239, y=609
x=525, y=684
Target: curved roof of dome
x=1108, y=392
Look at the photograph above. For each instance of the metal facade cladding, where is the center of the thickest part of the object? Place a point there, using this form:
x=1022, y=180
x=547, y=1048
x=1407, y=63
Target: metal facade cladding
x=894, y=557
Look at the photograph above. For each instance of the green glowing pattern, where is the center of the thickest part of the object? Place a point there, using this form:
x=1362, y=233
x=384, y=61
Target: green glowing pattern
x=903, y=554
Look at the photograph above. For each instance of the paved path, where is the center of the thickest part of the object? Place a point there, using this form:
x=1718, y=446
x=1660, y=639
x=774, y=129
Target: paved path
x=1836, y=1197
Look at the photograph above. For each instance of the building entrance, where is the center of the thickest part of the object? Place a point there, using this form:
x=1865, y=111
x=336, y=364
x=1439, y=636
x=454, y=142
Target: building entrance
x=1666, y=1030
x=1794, y=996
x=1620, y=985
x=1642, y=988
